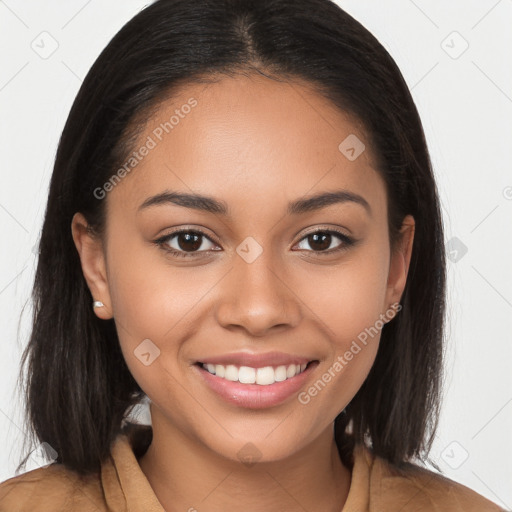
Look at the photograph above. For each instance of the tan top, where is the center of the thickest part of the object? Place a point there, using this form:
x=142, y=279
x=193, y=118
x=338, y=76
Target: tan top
x=122, y=487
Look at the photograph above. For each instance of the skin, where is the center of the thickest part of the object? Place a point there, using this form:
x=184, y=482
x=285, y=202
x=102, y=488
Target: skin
x=255, y=144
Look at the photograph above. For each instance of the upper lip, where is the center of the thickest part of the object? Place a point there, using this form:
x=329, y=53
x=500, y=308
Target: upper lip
x=257, y=360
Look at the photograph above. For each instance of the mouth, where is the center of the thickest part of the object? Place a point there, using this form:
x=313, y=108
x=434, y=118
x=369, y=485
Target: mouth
x=255, y=388
x=262, y=376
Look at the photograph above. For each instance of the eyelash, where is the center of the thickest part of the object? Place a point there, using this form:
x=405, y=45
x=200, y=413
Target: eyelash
x=162, y=242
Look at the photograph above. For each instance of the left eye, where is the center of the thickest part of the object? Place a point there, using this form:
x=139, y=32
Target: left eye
x=321, y=241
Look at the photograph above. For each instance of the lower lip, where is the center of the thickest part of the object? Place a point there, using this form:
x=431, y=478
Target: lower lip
x=256, y=396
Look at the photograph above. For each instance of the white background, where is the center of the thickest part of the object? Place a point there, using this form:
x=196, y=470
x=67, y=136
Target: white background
x=465, y=101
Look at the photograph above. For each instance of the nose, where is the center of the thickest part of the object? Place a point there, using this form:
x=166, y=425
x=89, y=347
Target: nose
x=258, y=297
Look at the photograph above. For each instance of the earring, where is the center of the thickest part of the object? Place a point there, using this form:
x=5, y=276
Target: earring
x=97, y=304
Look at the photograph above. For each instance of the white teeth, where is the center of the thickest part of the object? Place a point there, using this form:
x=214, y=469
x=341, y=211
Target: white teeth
x=246, y=375
x=231, y=373
x=280, y=373
x=262, y=376
x=291, y=370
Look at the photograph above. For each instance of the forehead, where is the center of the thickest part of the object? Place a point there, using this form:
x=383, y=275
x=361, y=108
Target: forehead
x=248, y=139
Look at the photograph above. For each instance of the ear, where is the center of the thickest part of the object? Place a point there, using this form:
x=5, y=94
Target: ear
x=92, y=258
x=399, y=263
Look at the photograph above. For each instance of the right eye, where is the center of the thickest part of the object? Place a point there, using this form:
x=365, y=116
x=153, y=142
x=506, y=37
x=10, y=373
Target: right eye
x=185, y=243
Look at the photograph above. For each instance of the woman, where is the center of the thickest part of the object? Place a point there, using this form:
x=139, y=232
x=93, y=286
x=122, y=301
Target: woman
x=243, y=227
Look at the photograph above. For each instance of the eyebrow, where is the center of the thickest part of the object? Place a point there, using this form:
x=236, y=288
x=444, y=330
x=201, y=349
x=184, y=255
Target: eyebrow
x=212, y=205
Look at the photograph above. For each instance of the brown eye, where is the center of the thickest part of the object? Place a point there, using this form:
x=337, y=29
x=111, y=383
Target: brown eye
x=189, y=241
x=186, y=243
x=320, y=241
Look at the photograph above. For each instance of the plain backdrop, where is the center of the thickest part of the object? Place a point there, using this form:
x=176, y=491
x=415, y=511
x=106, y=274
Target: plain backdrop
x=455, y=57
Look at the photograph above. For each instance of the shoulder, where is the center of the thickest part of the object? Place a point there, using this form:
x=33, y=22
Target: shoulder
x=51, y=488
x=419, y=489
x=56, y=488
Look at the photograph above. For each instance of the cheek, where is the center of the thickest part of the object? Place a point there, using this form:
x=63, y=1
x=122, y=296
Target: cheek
x=349, y=298
x=348, y=302
x=155, y=301
x=150, y=298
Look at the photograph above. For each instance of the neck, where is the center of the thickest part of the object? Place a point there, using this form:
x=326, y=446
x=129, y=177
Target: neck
x=187, y=475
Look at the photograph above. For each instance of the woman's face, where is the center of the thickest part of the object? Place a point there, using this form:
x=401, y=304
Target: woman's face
x=257, y=280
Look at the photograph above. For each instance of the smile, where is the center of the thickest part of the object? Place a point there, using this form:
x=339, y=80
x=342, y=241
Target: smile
x=255, y=388
x=262, y=376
